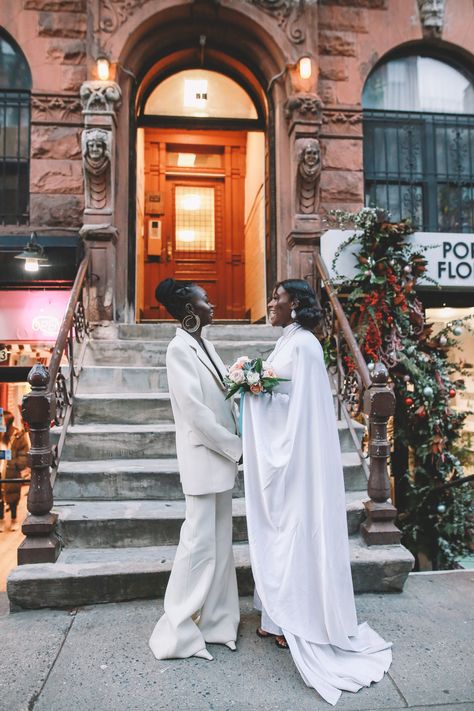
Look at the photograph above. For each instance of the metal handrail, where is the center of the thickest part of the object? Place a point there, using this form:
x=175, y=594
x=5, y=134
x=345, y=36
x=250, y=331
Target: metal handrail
x=50, y=402
x=343, y=322
x=370, y=395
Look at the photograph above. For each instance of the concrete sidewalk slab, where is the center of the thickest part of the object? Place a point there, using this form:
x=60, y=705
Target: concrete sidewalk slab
x=98, y=658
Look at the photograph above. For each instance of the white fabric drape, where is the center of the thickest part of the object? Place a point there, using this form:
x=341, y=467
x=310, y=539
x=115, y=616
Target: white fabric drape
x=297, y=524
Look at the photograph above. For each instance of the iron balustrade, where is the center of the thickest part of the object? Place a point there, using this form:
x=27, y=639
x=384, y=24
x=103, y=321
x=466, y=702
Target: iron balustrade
x=360, y=391
x=14, y=156
x=50, y=403
x=421, y=165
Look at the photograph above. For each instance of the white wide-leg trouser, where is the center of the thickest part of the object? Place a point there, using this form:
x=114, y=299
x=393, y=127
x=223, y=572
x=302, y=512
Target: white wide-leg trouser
x=201, y=601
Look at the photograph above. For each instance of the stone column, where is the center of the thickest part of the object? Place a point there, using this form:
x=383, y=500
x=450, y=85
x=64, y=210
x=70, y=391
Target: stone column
x=304, y=117
x=100, y=101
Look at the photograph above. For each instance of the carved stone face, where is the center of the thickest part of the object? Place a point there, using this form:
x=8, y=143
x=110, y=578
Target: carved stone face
x=431, y=12
x=95, y=148
x=311, y=155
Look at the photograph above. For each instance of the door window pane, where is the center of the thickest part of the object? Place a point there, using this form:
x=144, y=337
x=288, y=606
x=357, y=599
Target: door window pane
x=194, y=219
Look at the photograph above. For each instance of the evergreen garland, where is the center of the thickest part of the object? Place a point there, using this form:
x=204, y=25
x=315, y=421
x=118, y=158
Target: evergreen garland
x=432, y=495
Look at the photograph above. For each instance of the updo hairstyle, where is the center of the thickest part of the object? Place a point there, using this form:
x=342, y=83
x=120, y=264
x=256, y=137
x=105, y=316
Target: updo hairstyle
x=308, y=310
x=174, y=295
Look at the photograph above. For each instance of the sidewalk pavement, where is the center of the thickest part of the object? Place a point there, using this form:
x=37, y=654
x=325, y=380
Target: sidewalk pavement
x=97, y=659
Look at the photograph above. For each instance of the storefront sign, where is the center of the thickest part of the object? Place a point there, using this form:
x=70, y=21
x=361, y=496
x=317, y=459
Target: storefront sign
x=450, y=257
x=31, y=316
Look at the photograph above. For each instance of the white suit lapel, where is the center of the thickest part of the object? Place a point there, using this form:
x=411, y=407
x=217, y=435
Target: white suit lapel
x=202, y=355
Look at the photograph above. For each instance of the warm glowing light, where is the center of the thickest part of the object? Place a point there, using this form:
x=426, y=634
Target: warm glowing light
x=31, y=265
x=195, y=93
x=186, y=160
x=186, y=235
x=190, y=202
x=103, y=68
x=305, y=67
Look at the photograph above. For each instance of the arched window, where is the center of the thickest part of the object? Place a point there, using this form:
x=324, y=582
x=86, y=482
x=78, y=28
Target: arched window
x=419, y=143
x=15, y=86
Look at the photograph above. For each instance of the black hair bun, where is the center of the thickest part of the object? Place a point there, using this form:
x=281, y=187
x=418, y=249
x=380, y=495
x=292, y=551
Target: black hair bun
x=309, y=316
x=165, y=291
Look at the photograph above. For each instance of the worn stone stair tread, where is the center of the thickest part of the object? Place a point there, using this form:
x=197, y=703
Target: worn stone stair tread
x=117, y=429
x=135, y=509
x=154, y=428
x=126, y=466
x=139, y=466
x=158, y=395
x=88, y=576
x=156, y=509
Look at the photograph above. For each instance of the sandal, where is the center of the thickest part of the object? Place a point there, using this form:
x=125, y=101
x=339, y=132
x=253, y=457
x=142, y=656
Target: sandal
x=281, y=642
x=263, y=634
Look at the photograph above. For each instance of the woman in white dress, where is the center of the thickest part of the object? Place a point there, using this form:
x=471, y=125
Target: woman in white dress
x=296, y=512
x=201, y=603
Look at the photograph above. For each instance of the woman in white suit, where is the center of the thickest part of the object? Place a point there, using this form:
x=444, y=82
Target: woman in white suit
x=201, y=601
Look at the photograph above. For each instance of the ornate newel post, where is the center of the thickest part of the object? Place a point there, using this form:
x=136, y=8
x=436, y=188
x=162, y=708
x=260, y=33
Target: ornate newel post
x=100, y=101
x=38, y=410
x=379, y=404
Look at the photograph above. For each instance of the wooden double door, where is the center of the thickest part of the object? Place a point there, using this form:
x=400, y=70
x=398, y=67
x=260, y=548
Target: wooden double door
x=194, y=216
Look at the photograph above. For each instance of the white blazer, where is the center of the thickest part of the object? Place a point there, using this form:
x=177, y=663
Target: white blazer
x=207, y=445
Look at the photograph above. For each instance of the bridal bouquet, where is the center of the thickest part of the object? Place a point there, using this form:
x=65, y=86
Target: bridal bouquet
x=251, y=375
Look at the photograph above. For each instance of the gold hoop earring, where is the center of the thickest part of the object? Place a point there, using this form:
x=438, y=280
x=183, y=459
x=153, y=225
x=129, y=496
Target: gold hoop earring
x=191, y=322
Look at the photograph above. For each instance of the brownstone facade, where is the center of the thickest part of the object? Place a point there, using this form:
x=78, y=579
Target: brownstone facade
x=261, y=39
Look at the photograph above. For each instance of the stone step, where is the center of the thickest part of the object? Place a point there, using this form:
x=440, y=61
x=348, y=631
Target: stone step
x=123, y=480
x=122, y=379
x=122, y=524
x=122, y=408
x=152, y=353
x=218, y=331
x=89, y=576
x=148, y=441
x=152, y=479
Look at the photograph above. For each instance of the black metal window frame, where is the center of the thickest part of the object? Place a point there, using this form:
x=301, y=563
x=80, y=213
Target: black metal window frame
x=15, y=164
x=421, y=165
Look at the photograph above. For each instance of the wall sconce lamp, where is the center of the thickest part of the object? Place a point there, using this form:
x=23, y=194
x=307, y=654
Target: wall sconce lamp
x=103, y=68
x=305, y=67
x=33, y=254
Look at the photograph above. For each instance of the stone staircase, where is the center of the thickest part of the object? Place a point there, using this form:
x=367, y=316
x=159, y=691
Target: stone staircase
x=117, y=492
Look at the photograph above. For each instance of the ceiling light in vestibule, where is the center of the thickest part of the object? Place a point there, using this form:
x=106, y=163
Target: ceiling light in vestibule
x=195, y=93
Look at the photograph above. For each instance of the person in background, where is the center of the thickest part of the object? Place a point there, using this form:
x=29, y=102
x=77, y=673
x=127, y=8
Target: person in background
x=18, y=442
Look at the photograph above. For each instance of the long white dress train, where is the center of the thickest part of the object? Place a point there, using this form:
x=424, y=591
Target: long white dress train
x=297, y=525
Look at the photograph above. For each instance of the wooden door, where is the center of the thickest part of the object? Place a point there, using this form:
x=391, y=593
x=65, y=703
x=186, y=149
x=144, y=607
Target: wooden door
x=194, y=216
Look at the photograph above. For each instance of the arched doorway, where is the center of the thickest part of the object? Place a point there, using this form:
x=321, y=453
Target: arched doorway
x=201, y=184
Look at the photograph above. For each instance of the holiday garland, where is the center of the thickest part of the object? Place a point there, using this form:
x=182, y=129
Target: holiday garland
x=433, y=496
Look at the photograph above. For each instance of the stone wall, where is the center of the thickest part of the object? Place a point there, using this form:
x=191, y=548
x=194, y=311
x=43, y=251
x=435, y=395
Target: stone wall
x=53, y=37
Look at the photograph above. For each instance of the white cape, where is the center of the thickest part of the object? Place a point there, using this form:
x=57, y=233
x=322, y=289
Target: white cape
x=297, y=525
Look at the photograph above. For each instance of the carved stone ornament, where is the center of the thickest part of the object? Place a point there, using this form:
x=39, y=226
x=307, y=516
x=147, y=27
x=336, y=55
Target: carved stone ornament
x=309, y=175
x=100, y=97
x=288, y=14
x=51, y=108
x=349, y=117
x=431, y=17
x=304, y=107
x=96, y=154
x=113, y=13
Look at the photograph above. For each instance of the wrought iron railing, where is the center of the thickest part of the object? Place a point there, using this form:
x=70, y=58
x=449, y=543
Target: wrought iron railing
x=358, y=392
x=420, y=164
x=50, y=404
x=14, y=156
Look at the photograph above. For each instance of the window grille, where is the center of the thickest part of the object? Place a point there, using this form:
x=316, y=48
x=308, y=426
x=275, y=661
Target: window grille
x=195, y=219
x=14, y=156
x=421, y=165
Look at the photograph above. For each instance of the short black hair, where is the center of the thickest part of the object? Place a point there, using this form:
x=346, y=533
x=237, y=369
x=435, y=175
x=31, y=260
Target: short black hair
x=308, y=310
x=174, y=295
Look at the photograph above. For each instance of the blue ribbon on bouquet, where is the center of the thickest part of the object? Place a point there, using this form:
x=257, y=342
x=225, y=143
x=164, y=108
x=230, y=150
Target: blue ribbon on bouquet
x=241, y=411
